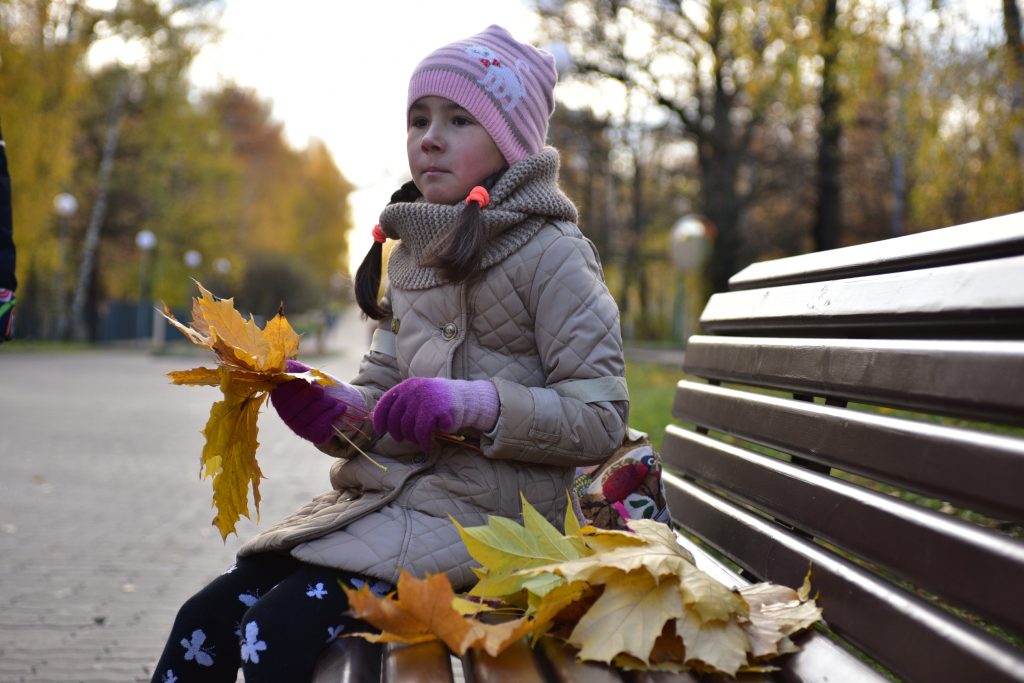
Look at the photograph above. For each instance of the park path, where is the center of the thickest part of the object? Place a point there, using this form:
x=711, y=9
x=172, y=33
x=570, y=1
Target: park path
x=104, y=522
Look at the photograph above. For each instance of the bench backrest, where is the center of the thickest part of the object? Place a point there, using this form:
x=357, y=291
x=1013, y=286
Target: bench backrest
x=856, y=404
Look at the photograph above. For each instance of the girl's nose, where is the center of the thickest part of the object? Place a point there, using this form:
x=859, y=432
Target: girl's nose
x=432, y=139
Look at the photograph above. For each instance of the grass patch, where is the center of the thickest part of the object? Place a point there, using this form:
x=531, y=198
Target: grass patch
x=652, y=389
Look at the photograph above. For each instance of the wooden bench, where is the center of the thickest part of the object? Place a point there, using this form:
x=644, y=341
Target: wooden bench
x=818, y=435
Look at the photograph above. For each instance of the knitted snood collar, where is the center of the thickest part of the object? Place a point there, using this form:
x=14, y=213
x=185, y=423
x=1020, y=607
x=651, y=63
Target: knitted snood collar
x=522, y=200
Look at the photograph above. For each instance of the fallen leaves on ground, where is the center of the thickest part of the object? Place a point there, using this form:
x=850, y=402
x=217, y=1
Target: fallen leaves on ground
x=250, y=363
x=634, y=599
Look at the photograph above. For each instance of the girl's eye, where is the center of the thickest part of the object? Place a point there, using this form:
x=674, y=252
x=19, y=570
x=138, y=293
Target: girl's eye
x=418, y=122
x=462, y=121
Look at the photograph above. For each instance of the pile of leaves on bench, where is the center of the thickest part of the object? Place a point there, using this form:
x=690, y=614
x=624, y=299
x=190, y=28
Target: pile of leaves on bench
x=634, y=599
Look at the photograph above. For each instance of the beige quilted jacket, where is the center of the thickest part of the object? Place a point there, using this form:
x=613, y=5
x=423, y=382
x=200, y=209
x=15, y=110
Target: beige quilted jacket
x=543, y=327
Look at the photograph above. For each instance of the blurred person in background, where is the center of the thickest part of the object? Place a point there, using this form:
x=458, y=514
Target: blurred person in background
x=8, y=281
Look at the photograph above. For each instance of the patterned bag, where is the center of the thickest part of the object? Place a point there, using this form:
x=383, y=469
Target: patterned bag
x=626, y=486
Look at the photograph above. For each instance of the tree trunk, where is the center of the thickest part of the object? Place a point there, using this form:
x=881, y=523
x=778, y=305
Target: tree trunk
x=827, y=222
x=719, y=156
x=1015, y=48
x=76, y=326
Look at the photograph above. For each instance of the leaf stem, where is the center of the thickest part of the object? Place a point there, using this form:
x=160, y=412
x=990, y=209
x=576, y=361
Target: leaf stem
x=343, y=435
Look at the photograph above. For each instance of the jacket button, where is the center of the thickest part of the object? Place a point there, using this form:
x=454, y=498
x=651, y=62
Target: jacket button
x=449, y=331
x=420, y=458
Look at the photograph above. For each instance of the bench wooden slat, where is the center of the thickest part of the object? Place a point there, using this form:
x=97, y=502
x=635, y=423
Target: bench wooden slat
x=420, y=663
x=350, y=660
x=913, y=638
x=977, y=380
x=563, y=666
x=929, y=549
x=514, y=664
x=978, y=298
x=975, y=470
x=981, y=240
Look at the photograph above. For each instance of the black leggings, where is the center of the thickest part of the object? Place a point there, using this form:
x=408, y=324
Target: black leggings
x=270, y=613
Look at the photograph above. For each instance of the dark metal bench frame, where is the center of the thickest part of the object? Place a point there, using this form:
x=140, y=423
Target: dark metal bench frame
x=931, y=323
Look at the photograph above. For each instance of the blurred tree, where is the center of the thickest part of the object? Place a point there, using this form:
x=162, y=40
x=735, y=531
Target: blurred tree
x=51, y=53
x=716, y=66
x=296, y=202
x=965, y=164
x=176, y=175
x=630, y=185
x=41, y=46
x=1015, y=72
x=183, y=167
x=323, y=215
x=275, y=279
x=582, y=139
x=896, y=116
x=827, y=223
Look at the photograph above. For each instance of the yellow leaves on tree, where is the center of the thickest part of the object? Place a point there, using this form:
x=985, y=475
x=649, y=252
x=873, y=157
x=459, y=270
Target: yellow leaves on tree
x=632, y=599
x=250, y=363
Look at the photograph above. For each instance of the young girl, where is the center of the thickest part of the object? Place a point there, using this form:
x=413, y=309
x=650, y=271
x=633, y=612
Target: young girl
x=495, y=370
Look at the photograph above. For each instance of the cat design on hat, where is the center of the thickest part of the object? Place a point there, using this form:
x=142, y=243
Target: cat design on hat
x=503, y=82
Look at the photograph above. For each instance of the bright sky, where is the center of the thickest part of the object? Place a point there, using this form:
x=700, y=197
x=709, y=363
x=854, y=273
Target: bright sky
x=338, y=71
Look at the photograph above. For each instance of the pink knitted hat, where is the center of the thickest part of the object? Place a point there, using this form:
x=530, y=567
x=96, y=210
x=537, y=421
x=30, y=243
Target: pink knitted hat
x=506, y=85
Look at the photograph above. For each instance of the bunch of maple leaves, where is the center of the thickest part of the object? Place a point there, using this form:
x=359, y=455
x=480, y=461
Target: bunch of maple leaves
x=634, y=599
x=250, y=363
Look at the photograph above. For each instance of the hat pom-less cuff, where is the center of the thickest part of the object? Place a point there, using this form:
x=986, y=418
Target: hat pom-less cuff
x=465, y=92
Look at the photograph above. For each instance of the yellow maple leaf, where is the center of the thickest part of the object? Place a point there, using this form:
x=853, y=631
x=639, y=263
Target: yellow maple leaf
x=229, y=455
x=628, y=617
x=719, y=645
x=708, y=598
x=651, y=547
x=250, y=363
x=238, y=341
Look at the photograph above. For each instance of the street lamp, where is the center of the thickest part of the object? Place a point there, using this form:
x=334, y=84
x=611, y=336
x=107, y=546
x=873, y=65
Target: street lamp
x=689, y=246
x=145, y=240
x=193, y=259
x=65, y=206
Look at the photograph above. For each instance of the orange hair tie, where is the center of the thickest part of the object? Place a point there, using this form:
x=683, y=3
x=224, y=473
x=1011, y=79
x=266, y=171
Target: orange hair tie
x=480, y=195
x=378, y=235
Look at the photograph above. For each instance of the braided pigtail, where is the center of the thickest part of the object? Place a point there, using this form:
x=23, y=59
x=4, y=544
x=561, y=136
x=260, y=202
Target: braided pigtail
x=369, y=274
x=458, y=255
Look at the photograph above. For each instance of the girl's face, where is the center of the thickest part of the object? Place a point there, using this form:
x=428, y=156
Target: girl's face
x=449, y=152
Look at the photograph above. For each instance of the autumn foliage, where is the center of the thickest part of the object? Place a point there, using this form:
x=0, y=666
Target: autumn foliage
x=632, y=599
x=250, y=363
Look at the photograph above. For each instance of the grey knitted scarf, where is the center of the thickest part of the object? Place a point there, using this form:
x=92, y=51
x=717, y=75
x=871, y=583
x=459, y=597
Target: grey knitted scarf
x=523, y=199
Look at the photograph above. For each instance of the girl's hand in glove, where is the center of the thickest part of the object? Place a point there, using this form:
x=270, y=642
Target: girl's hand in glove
x=311, y=410
x=415, y=408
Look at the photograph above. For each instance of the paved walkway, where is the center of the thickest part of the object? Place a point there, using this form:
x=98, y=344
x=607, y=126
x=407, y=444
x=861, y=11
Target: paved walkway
x=104, y=522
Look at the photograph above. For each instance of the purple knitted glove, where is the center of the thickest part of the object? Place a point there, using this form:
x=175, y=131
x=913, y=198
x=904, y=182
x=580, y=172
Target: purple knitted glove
x=309, y=409
x=415, y=408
